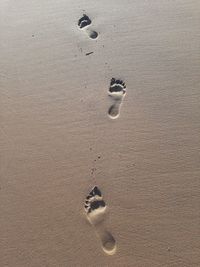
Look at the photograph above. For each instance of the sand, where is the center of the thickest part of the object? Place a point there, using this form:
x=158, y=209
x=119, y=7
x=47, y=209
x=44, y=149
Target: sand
x=60, y=137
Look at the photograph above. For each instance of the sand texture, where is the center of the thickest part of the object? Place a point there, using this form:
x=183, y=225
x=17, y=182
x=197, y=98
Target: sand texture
x=99, y=133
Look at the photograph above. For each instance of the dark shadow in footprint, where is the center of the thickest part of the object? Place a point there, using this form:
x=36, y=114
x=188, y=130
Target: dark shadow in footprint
x=117, y=86
x=85, y=21
x=95, y=208
x=97, y=204
x=117, y=91
x=96, y=191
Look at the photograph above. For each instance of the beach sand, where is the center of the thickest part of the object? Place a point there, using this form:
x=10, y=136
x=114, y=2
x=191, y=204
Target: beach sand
x=60, y=135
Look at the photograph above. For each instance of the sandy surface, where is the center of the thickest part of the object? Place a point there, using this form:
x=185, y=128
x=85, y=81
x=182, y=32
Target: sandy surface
x=57, y=140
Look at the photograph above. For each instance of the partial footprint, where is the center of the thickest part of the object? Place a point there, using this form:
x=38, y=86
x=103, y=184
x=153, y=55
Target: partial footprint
x=95, y=208
x=117, y=91
x=83, y=23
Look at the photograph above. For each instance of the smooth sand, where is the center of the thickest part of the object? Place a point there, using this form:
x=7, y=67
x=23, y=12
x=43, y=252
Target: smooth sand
x=57, y=140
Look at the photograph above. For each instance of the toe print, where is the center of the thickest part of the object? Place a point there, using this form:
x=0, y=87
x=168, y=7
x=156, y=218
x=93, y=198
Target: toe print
x=83, y=23
x=95, y=208
x=117, y=91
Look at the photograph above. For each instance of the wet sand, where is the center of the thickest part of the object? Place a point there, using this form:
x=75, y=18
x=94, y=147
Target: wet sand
x=58, y=139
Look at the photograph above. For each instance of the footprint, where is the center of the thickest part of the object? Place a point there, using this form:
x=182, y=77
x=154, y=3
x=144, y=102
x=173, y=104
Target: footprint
x=117, y=91
x=83, y=23
x=96, y=208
